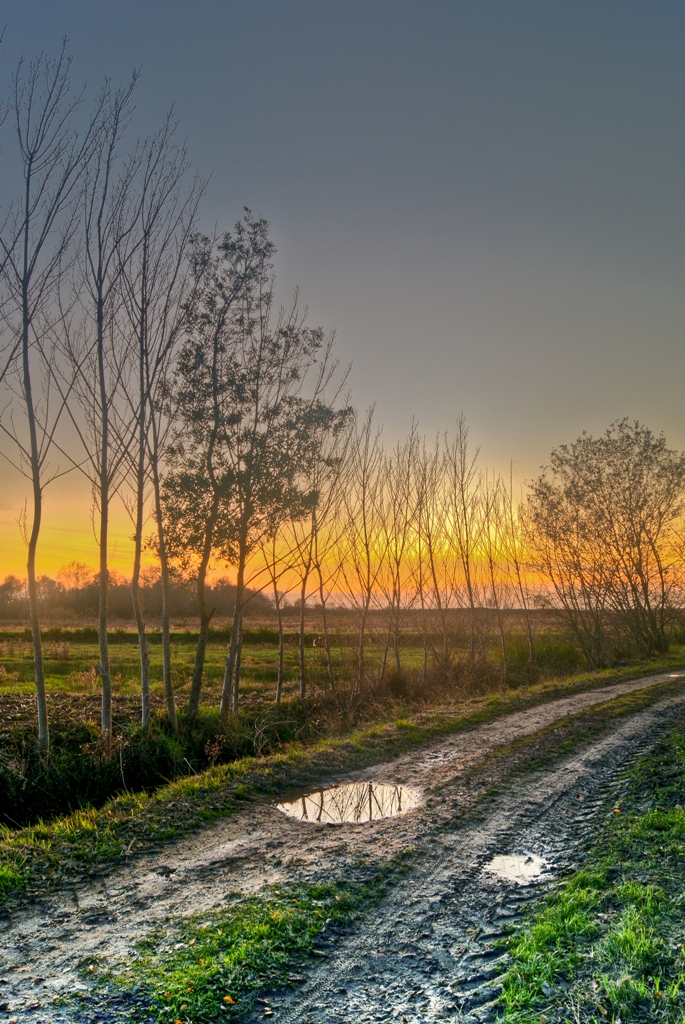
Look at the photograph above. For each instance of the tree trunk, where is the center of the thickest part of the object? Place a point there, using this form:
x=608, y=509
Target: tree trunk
x=231, y=688
x=135, y=578
x=227, y=689
x=105, y=674
x=103, y=645
x=142, y=644
x=301, y=640
x=361, y=663
x=326, y=637
x=41, y=700
x=164, y=565
x=205, y=617
x=384, y=659
x=236, y=674
x=279, y=614
x=396, y=645
x=138, y=529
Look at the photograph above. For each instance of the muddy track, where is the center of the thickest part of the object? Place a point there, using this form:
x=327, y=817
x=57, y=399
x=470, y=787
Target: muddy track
x=426, y=954
x=430, y=952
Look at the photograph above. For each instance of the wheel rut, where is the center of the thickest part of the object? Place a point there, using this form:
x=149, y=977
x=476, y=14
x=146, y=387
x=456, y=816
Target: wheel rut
x=430, y=951
x=426, y=954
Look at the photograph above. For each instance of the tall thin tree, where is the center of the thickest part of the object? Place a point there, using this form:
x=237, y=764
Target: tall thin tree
x=157, y=288
x=101, y=348
x=37, y=237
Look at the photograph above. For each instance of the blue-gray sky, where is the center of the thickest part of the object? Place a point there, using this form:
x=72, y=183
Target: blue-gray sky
x=484, y=199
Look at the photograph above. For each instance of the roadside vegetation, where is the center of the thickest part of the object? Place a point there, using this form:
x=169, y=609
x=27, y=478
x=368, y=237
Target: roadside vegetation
x=244, y=956
x=348, y=598
x=35, y=858
x=84, y=770
x=608, y=945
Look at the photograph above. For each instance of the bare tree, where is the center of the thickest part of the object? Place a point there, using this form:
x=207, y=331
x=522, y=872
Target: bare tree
x=321, y=477
x=328, y=520
x=434, y=575
x=100, y=349
x=157, y=289
x=399, y=521
x=493, y=533
x=464, y=533
x=362, y=553
x=514, y=555
x=277, y=558
x=36, y=245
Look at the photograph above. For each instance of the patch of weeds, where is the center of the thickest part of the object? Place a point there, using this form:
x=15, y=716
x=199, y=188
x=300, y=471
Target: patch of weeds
x=218, y=964
x=608, y=944
x=11, y=877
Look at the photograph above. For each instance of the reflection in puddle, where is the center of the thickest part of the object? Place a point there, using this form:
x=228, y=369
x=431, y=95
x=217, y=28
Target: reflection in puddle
x=521, y=868
x=355, y=802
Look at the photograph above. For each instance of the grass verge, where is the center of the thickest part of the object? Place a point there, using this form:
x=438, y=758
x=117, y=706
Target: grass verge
x=608, y=944
x=220, y=964
x=33, y=858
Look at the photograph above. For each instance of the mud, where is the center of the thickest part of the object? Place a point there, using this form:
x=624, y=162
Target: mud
x=432, y=952
x=426, y=954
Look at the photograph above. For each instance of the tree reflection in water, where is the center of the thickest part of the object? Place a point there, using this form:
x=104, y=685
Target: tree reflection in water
x=355, y=802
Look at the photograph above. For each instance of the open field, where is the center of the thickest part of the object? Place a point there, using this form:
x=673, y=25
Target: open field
x=81, y=772
x=71, y=657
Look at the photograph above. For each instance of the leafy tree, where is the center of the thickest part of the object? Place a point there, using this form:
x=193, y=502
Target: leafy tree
x=196, y=491
x=252, y=401
x=604, y=530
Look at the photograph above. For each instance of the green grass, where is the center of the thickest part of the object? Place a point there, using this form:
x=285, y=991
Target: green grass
x=249, y=949
x=217, y=964
x=69, y=666
x=69, y=663
x=608, y=944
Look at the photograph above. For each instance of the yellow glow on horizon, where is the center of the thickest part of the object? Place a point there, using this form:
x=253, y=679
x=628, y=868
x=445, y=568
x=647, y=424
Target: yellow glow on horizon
x=66, y=532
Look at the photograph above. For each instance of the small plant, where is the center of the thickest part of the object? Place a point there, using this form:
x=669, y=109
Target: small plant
x=84, y=681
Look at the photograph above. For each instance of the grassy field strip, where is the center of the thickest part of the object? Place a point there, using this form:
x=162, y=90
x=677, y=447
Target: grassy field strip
x=608, y=944
x=45, y=853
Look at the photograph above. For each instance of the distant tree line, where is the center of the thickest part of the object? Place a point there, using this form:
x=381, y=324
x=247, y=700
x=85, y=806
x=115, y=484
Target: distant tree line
x=154, y=361
x=67, y=602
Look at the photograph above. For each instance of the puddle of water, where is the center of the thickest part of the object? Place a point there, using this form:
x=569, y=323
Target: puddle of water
x=355, y=802
x=521, y=868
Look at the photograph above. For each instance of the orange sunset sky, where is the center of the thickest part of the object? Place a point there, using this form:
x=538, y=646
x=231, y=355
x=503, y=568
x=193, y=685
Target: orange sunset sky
x=484, y=202
x=66, y=534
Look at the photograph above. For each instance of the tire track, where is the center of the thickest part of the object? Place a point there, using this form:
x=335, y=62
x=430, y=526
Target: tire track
x=106, y=916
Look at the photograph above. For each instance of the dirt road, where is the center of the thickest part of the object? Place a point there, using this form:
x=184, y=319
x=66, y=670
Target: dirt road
x=425, y=954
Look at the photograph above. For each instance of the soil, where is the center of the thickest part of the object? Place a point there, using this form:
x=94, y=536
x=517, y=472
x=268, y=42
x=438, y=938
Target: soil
x=427, y=953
